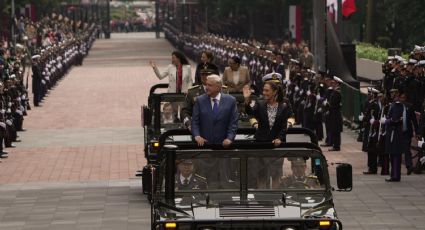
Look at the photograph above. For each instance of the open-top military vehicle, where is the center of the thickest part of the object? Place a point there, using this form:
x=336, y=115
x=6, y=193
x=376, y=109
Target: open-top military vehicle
x=248, y=186
x=154, y=123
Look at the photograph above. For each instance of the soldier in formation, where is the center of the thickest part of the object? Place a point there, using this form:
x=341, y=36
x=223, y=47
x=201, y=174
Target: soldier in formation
x=48, y=49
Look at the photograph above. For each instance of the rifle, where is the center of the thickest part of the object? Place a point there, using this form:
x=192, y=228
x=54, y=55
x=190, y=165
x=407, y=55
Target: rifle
x=380, y=124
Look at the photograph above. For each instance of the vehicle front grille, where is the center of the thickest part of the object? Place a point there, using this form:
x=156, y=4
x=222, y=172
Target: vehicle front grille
x=246, y=210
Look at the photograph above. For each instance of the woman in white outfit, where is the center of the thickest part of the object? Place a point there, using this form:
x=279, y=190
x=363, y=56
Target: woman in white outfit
x=178, y=72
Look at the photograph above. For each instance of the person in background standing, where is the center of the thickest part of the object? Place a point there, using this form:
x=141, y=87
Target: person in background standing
x=206, y=63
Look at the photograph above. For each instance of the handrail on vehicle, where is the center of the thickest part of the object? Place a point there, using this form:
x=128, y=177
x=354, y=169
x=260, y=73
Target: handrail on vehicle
x=245, y=131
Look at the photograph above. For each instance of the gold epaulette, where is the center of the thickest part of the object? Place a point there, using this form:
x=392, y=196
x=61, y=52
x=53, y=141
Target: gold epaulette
x=204, y=178
x=311, y=177
x=253, y=121
x=194, y=86
x=291, y=120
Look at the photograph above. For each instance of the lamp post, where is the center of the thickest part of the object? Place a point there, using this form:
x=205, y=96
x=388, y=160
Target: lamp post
x=108, y=20
x=12, y=29
x=157, y=35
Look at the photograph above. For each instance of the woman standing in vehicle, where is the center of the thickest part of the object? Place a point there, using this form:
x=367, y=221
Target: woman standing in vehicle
x=271, y=113
x=178, y=72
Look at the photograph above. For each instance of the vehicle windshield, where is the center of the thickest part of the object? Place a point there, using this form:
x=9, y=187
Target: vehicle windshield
x=257, y=172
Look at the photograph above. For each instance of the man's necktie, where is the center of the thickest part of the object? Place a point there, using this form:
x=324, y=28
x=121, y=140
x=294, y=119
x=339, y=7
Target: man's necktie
x=215, y=107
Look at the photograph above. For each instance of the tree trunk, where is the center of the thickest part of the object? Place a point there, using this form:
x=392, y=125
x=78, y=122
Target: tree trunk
x=370, y=24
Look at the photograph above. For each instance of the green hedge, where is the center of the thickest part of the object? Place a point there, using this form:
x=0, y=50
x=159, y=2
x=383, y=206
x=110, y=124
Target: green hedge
x=376, y=53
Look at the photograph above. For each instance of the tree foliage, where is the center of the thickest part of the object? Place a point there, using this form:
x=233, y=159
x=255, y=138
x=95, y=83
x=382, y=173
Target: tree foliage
x=400, y=22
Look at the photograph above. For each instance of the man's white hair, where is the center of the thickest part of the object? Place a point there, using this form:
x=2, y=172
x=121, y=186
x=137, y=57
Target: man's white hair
x=215, y=78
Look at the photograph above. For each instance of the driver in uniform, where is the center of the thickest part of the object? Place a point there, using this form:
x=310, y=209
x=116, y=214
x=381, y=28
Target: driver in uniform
x=186, y=179
x=298, y=178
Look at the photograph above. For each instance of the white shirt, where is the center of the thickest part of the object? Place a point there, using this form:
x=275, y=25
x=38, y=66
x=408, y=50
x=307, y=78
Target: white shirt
x=218, y=97
x=182, y=178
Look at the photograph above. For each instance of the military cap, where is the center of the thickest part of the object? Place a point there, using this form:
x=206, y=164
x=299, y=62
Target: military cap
x=412, y=61
x=418, y=48
x=275, y=77
x=393, y=90
x=373, y=90
x=206, y=71
x=297, y=160
x=400, y=59
x=337, y=79
x=187, y=161
x=421, y=63
x=294, y=61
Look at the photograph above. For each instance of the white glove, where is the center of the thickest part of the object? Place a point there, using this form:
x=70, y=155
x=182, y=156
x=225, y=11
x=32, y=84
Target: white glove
x=319, y=110
x=308, y=93
x=383, y=120
x=297, y=88
x=8, y=110
x=9, y=104
x=19, y=112
x=325, y=102
x=318, y=97
x=3, y=125
x=301, y=92
x=2, y=111
x=372, y=121
x=361, y=117
x=9, y=122
x=422, y=160
x=421, y=143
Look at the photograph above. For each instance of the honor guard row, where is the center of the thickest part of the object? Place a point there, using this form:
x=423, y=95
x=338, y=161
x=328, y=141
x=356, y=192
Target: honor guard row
x=389, y=116
x=50, y=47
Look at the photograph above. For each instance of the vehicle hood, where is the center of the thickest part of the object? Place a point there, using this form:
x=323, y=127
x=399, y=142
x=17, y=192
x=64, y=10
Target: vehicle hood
x=306, y=206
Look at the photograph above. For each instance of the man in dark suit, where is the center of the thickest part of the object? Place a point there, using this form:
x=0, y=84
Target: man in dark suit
x=215, y=116
x=409, y=125
x=192, y=94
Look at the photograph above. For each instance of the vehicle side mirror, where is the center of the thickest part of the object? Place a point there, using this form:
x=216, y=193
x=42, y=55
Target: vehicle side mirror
x=146, y=116
x=344, y=177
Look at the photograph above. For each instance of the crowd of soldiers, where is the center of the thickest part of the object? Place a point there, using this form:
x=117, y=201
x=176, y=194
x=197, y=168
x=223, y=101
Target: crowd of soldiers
x=48, y=49
x=260, y=58
x=393, y=116
x=314, y=97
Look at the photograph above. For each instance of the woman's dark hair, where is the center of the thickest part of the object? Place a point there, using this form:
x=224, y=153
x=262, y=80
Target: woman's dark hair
x=209, y=55
x=236, y=59
x=181, y=57
x=278, y=89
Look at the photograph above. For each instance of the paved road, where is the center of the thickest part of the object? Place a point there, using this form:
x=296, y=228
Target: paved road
x=74, y=168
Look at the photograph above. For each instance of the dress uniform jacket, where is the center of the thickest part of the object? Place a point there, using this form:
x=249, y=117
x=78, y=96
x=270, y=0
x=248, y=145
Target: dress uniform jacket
x=394, y=129
x=335, y=115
